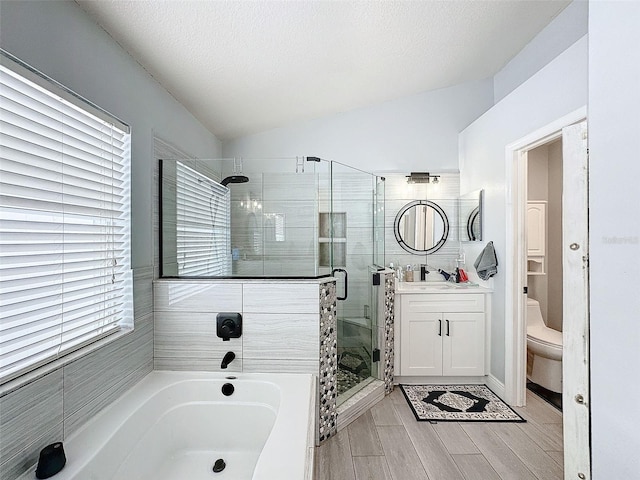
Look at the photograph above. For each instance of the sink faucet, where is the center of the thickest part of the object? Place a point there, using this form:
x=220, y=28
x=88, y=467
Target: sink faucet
x=423, y=272
x=227, y=359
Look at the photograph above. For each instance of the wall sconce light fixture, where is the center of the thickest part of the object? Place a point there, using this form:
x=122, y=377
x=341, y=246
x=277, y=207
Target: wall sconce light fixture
x=422, y=177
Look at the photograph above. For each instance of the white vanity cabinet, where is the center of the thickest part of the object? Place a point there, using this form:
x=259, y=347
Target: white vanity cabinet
x=442, y=334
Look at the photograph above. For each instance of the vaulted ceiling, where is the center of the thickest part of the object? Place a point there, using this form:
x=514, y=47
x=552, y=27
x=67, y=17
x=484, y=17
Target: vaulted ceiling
x=246, y=66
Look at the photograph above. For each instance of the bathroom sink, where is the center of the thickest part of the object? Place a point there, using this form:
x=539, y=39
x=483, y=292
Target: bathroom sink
x=426, y=287
x=423, y=286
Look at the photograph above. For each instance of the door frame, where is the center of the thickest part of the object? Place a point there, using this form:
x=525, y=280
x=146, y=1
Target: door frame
x=515, y=331
x=576, y=398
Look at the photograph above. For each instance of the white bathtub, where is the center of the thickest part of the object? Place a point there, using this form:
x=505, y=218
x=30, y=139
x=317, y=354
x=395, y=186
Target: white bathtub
x=175, y=425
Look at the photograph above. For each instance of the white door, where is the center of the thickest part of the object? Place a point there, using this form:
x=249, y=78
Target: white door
x=575, y=359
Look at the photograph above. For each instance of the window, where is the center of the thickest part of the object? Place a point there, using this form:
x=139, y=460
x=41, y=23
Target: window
x=203, y=211
x=65, y=274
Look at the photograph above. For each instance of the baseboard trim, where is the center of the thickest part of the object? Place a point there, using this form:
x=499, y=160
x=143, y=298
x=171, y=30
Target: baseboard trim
x=439, y=380
x=496, y=386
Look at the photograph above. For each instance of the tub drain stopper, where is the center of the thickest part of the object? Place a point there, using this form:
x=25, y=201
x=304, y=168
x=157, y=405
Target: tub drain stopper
x=219, y=465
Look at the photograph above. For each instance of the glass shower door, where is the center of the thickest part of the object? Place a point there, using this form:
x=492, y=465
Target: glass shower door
x=352, y=207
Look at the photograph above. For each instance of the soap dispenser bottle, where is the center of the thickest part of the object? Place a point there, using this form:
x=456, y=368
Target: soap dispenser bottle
x=444, y=274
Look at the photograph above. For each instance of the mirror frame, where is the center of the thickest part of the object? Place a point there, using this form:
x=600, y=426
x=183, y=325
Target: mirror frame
x=475, y=214
x=439, y=210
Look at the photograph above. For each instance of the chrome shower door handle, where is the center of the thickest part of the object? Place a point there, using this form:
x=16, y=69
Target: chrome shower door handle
x=346, y=281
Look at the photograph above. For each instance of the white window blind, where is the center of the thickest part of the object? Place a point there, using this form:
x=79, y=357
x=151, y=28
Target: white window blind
x=203, y=224
x=65, y=275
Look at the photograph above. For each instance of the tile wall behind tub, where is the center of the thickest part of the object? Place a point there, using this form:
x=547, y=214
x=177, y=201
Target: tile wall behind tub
x=54, y=406
x=279, y=331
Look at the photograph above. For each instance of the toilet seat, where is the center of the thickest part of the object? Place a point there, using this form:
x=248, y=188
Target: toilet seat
x=545, y=341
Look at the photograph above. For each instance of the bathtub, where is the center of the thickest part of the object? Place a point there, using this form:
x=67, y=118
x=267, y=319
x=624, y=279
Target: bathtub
x=175, y=425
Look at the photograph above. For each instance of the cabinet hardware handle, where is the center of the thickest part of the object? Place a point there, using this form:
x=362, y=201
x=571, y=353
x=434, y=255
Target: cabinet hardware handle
x=447, y=327
x=439, y=327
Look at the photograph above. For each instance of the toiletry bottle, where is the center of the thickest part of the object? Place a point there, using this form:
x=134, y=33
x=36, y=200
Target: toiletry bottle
x=463, y=276
x=408, y=274
x=399, y=274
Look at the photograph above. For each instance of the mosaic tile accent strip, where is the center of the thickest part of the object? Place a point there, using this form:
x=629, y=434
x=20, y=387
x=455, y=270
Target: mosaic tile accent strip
x=328, y=375
x=389, y=316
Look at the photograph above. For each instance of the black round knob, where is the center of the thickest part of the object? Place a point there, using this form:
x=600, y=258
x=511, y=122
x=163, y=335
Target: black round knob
x=219, y=465
x=228, y=328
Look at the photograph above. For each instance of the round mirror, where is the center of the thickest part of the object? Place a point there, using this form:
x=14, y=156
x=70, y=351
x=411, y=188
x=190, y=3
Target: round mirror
x=421, y=227
x=473, y=225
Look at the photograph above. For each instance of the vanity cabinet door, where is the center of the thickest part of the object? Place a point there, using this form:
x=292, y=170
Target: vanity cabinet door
x=463, y=342
x=421, y=344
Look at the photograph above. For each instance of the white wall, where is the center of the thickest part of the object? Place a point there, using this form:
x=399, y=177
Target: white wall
x=556, y=90
x=614, y=163
x=544, y=179
x=413, y=133
x=538, y=189
x=60, y=40
x=562, y=32
x=554, y=238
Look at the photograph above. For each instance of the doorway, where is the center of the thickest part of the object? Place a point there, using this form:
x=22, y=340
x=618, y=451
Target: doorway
x=544, y=270
x=571, y=130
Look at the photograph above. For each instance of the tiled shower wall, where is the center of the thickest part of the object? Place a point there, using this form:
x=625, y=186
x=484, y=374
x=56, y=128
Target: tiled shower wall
x=54, y=406
x=285, y=198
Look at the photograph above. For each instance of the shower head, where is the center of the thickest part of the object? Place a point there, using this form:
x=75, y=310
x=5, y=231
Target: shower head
x=234, y=179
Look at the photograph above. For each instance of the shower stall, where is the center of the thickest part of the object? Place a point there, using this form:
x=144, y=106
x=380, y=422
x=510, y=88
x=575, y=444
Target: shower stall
x=297, y=217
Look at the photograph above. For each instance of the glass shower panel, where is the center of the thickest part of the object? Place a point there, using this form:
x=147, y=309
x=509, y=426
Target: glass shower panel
x=274, y=223
x=351, y=224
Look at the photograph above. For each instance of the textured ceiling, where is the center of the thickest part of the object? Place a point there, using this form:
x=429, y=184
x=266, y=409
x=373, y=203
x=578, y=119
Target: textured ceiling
x=246, y=66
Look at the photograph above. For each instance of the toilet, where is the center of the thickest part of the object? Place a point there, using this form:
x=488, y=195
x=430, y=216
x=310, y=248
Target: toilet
x=544, y=350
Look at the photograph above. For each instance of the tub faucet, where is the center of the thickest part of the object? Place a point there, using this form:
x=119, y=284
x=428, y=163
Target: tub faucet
x=227, y=359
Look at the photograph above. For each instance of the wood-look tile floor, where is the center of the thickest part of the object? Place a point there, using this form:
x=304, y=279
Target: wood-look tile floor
x=387, y=443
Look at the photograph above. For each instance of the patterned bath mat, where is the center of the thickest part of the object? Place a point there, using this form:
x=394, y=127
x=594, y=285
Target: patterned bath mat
x=457, y=403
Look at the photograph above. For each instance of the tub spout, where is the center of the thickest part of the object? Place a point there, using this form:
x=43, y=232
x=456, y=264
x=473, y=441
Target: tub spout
x=228, y=358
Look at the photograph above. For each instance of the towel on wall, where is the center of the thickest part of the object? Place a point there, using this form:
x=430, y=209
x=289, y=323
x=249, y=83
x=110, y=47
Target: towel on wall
x=487, y=263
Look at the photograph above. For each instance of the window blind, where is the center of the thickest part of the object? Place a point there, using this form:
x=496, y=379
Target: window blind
x=65, y=275
x=203, y=240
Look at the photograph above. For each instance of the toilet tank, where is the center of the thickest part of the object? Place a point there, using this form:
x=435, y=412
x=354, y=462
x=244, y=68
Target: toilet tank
x=534, y=316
